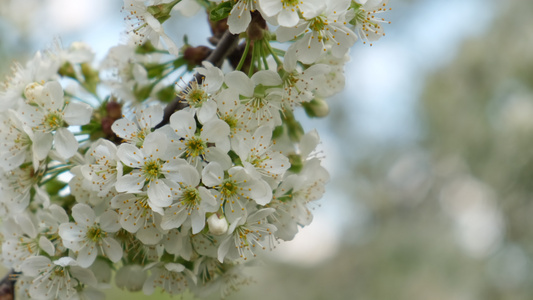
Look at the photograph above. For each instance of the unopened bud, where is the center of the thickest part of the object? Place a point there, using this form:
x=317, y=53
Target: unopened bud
x=317, y=108
x=33, y=91
x=114, y=110
x=256, y=27
x=217, y=226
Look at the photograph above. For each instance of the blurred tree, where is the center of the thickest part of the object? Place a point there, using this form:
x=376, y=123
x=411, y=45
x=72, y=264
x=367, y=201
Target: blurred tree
x=451, y=215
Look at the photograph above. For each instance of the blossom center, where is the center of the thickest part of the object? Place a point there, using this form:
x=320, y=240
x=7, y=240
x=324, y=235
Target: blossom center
x=231, y=121
x=191, y=198
x=95, y=233
x=195, y=147
x=53, y=121
x=289, y=3
x=318, y=23
x=152, y=169
x=228, y=189
x=196, y=97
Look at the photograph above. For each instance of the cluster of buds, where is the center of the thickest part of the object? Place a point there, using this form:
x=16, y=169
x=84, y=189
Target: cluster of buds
x=128, y=167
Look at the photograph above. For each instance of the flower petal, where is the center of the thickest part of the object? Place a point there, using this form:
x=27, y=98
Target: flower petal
x=65, y=143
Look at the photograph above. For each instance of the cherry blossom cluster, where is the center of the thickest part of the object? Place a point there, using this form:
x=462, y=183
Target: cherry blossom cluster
x=173, y=164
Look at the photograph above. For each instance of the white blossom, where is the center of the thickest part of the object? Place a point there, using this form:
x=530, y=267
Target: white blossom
x=90, y=235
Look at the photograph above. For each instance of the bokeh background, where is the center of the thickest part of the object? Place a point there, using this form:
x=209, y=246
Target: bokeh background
x=429, y=147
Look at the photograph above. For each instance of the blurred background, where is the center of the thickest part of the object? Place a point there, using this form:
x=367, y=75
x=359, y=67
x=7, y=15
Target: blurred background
x=428, y=147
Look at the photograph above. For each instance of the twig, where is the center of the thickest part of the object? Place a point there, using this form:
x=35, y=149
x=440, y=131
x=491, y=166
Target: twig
x=7, y=286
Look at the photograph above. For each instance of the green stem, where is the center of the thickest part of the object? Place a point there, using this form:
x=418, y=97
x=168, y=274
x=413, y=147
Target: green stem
x=262, y=52
x=244, y=55
x=274, y=55
x=253, y=61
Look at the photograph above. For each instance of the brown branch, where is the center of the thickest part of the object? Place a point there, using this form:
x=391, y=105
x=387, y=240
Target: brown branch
x=7, y=286
x=225, y=46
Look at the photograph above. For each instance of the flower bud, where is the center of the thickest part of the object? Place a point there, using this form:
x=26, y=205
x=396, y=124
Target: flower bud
x=33, y=91
x=217, y=226
x=317, y=108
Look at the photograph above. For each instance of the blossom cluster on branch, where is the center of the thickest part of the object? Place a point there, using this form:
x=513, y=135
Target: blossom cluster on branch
x=173, y=164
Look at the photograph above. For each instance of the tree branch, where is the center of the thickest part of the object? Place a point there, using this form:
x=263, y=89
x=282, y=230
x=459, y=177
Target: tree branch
x=7, y=286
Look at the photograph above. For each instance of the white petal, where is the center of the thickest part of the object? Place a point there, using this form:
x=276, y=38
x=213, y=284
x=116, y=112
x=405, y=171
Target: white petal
x=71, y=232
x=149, y=235
x=150, y=116
x=208, y=200
x=26, y=224
x=46, y=245
x=32, y=266
x=215, y=130
x=183, y=123
x=109, y=221
x=173, y=218
x=159, y=193
x=124, y=128
x=308, y=143
x=83, y=214
x=240, y=82
x=239, y=18
x=271, y=7
x=214, y=154
x=86, y=256
x=212, y=174
x=65, y=143
x=266, y=77
x=189, y=175
x=197, y=221
x=207, y=111
x=84, y=275
x=223, y=249
x=174, y=267
x=284, y=34
x=130, y=183
x=112, y=249
x=77, y=113
x=42, y=143
x=155, y=144
x=130, y=155
x=288, y=18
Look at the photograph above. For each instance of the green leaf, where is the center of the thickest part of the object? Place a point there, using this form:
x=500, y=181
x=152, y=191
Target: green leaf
x=166, y=94
x=220, y=11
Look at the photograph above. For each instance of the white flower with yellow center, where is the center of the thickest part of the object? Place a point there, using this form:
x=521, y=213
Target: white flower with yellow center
x=22, y=240
x=199, y=96
x=151, y=169
x=173, y=278
x=145, y=26
x=17, y=187
x=260, y=97
x=193, y=202
x=287, y=12
x=260, y=159
x=91, y=235
x=47, y=112
x=102, y=169
x=20, y=144
x=209, y=143
x=247, y=235
x=364, y=16
x=136, y=216
x=326, y=27
x=236, y=189
x=60, y=279
x=135, y=131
